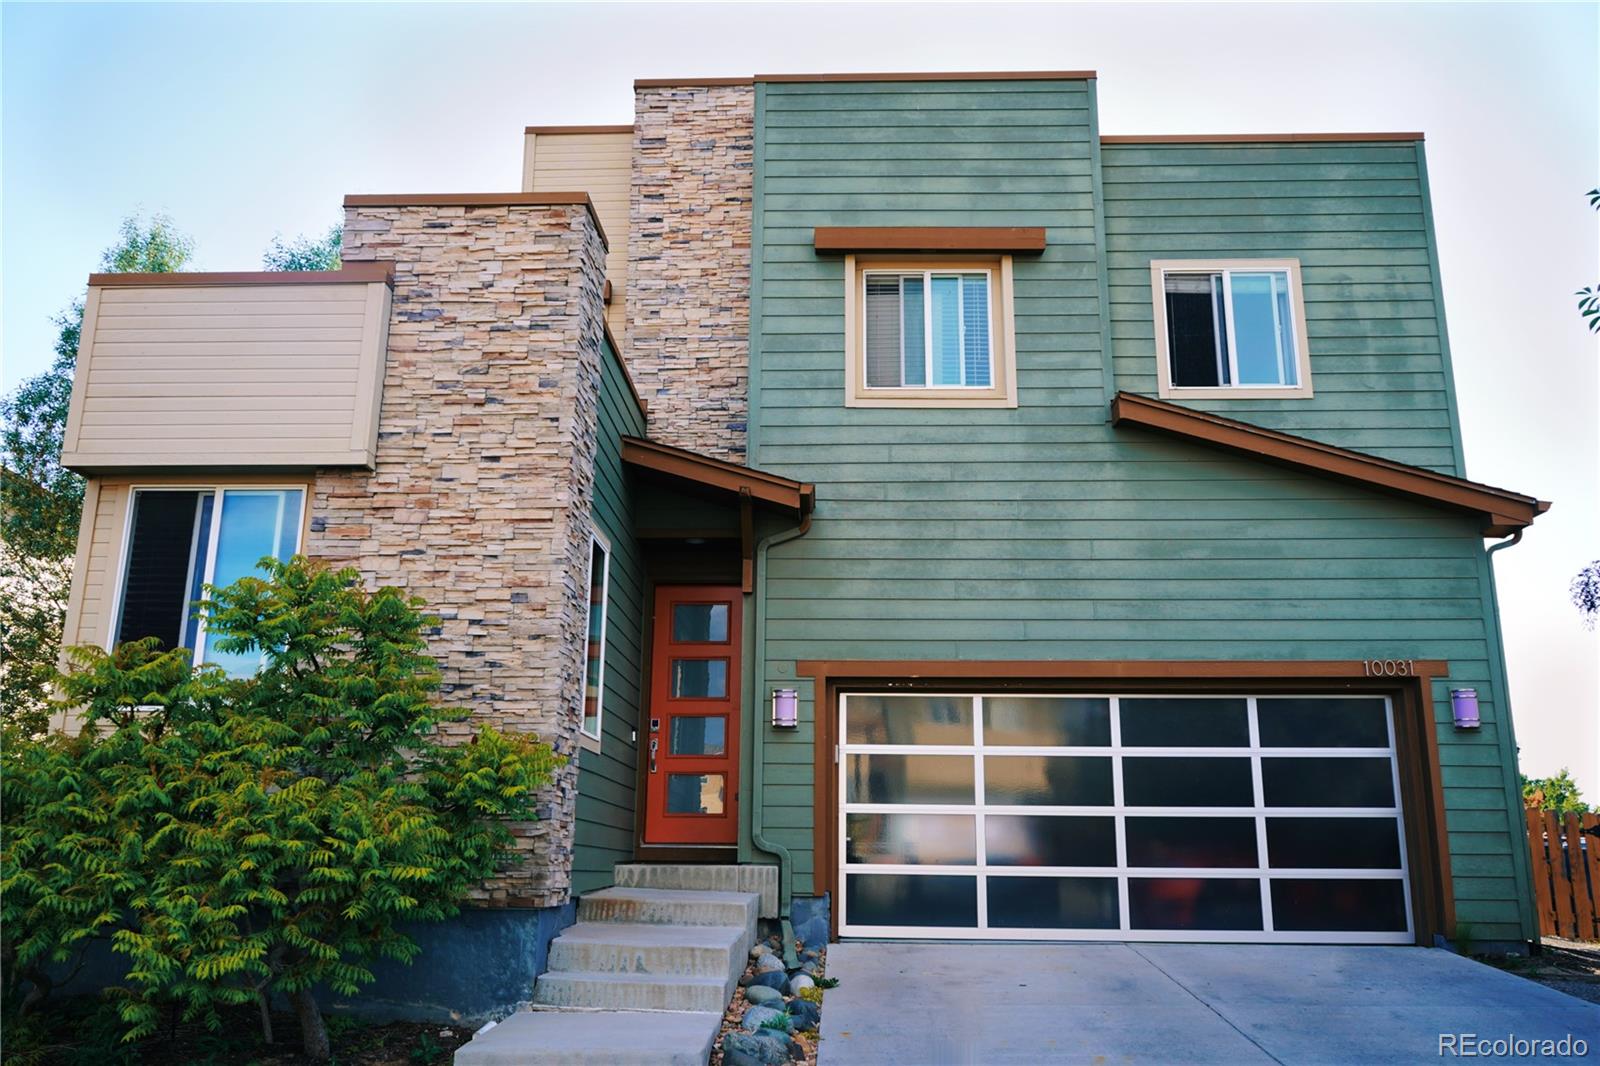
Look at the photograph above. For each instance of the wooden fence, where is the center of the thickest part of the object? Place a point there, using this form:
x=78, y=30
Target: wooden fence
x=1566, y=873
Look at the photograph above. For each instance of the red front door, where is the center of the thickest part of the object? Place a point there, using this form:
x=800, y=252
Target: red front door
x=692, y=749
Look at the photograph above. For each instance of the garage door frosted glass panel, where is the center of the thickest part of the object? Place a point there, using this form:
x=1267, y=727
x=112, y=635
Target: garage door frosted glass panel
x=1046, y=722
x=887, y=778
x=1047, y=780
x=1218, y=903
x=1200, y=842
x=1328, y=782
x=1187, y=782
x=1049, y=840
x=1053, y=903
x=908, y=720
x=1323, y=723
x=1333, y=843
x=1185, y=723
x=1337, y=905
x=912, y=839
x=929, y=900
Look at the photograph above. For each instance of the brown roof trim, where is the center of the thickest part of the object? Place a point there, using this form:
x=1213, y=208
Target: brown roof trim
x=1252, y=138
x=689, y=83
x=768, y=488
x=348, y=274
x=578, y=129
x=929, y=239
x=1501, y=511
x=958, y=75
x=644, y=408
x=479, y=199
x=1106, y=669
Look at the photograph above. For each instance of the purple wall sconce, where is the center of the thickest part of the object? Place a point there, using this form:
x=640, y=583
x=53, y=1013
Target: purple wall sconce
x=785, y=708
x=1464, y=707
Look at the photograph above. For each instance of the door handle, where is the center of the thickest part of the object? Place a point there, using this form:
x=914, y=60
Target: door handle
x=654, y=744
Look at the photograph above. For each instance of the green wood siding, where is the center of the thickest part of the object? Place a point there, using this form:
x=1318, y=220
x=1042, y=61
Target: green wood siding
x=1356, y=217
x=1044, y=533
x=604, y=831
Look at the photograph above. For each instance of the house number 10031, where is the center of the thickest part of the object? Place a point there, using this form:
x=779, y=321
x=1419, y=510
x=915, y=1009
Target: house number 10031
x=1390, y=667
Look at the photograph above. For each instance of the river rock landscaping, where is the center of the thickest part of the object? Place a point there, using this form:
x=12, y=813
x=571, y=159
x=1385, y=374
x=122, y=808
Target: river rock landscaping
x=776, y=1013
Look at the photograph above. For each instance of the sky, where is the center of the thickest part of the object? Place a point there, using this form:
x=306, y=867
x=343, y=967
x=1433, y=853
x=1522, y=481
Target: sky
x=246, y=121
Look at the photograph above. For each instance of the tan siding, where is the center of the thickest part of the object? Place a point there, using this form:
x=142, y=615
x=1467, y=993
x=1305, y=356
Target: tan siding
x=228, y=376
x=598, y=164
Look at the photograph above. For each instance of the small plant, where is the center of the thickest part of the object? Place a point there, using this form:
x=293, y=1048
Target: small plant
x=779, y=1021
x=427, y=1051
x=812, y=995
x=827, y=982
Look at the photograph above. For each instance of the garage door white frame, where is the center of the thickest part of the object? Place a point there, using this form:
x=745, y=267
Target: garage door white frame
x=1264, y=872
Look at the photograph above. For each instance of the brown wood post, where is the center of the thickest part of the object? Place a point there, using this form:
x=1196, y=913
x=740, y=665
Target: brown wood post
x=1583, y=876
x=1559, y=879
x=1543, y=901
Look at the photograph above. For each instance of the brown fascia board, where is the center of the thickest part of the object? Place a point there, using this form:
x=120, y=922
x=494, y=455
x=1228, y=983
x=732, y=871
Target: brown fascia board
x=690, y=83
x=1025, y=239
x=958, y=75
x=348, y=274
x=480, y=199
x=1501, y=511
x=577, y=129
x=1253, y=138
x=767, y=488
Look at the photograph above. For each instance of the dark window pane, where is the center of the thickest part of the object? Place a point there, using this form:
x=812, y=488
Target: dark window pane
x=1365, y=905
x=1053, y=903
x=1333, y=843
x=909, y=779
x=1196, y=330
x=699, y=622
x=1185, y=723
x=1049, y=840
x=155, y=590
x=919, y=839
x=1194, y=903
x=908, y=720
x=1322, y=723
x=1047, y=780
x=1192, y=781
x=1327, y=782
x=942, y=900
x=702, y=679
x=698, y=736
x=695, y=793
x=1191, y=841
x=1046, y=721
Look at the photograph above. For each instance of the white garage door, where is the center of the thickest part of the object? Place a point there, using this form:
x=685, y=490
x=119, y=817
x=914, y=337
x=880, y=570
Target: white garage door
x=1159, y=817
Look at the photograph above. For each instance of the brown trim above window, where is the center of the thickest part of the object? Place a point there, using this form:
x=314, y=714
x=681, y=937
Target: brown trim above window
x=349, y=273
x=1416, y=742
x=1501, y=511
x=578, y=129
x=993, y=239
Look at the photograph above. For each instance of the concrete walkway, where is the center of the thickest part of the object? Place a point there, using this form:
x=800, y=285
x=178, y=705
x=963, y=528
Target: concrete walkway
x=927, y=1004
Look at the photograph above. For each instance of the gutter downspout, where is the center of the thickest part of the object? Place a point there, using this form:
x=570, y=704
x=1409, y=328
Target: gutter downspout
x=757, y=748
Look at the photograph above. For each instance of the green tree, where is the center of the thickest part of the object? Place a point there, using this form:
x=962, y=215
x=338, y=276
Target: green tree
x=236, y=838
x=305, y=253
x=1559, y=793
x=39, y=500
x=1589, y=296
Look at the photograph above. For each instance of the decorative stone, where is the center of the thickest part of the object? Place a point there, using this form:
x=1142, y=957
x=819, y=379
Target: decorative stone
x=760, y=950
x=746, y=1049
x=809, y=969
x=772, y=979
x=799, y=981
x=761, y=995
x=756, y=1015
x=768, y=963
x=804, y=1014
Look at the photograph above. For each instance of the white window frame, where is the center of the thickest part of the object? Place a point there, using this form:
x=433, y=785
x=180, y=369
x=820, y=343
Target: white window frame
x=1264, y=872
x=1160, y=268
x=595, y=739
x=218, y=489
x=1002, y=388
x=927, y=274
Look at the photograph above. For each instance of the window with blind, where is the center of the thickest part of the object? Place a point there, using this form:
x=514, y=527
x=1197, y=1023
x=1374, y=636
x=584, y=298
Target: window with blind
x=1230, y=326
x=931, y=332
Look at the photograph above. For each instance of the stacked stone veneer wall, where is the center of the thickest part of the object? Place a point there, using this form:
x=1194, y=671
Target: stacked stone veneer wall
x=480, y=500
x=688, y=294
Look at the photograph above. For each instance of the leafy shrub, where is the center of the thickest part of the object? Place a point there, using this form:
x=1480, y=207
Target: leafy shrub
x=235, y=838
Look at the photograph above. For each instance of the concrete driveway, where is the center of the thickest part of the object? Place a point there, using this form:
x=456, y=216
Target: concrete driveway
x=922, y=1004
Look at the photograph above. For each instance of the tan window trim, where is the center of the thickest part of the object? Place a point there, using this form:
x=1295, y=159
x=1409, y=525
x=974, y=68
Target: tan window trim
x=1164, y=386
x=1004, y=393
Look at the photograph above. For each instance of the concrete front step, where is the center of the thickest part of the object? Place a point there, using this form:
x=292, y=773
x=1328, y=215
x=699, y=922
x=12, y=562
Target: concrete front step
x=705, y=878
x=665, y=906
x=633, y=947
x=633, y=991
x=596, y=1038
